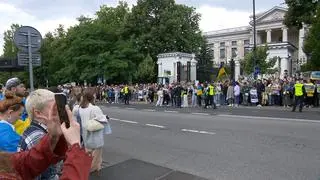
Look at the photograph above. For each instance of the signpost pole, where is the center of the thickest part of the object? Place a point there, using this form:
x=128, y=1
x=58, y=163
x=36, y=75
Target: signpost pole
x=30, y=61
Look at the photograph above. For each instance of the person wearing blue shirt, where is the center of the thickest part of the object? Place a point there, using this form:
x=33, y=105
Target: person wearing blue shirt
x=11, y=109
x=15, y=86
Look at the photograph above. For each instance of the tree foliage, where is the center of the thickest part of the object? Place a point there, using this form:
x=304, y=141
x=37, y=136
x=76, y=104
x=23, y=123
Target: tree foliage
x=10, y=51
x=118, y=43
x=261, y=61
x=146, y=71
x=205, y=70
x=312, y=44
x=300, y=11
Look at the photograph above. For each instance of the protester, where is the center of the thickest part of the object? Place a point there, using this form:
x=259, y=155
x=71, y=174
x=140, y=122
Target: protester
x=11, y=109
x=51, y=149
x=38, y=106
x=15, y=86
x=93, y=139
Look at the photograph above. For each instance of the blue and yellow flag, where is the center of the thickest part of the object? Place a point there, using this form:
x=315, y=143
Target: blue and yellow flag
x=221, y=71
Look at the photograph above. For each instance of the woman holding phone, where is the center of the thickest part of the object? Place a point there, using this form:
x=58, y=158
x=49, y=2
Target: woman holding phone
x=60, y=142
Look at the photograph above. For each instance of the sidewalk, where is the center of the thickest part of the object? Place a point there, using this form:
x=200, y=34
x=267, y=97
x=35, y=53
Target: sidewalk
x=279, y=108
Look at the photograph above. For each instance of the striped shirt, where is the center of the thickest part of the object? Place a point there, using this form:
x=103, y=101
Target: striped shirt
x=31, y=137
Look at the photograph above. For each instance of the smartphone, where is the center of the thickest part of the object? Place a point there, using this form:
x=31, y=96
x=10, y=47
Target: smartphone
x=61, y=101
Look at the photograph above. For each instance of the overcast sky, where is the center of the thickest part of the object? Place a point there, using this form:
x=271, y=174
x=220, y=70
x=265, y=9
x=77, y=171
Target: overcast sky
x=46, y=15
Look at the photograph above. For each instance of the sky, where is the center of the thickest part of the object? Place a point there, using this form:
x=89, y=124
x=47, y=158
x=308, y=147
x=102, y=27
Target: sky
x=46, y=15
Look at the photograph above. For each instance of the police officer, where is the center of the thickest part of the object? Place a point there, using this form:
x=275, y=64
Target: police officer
x=126, y=94
x=211, y=94
x=299, y=93
x=310, y=91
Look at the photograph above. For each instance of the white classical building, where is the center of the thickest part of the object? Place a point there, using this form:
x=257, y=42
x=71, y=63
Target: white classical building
x=284, y=43
x=176, y=67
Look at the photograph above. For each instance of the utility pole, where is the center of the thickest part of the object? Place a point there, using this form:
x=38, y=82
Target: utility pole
x=254, y=36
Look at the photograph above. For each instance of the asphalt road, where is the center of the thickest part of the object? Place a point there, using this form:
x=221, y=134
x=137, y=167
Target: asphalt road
x=223, y=144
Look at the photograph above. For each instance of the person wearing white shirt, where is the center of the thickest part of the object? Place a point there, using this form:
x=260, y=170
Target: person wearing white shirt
x=160, y=97
x=237, y=94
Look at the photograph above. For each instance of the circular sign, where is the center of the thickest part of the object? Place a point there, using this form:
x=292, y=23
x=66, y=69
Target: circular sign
x=21, y=39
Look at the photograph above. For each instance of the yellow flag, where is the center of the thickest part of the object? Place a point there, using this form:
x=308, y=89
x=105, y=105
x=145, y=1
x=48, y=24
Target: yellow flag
x=222, y=72
x=21, y=126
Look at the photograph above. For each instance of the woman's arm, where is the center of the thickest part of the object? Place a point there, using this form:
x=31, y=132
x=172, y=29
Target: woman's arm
x=77, y=164
x=50, y=150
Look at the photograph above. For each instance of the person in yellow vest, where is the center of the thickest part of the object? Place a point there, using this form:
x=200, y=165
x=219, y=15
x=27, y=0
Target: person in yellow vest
x=17, y=87
x=299, y=92
x=211, y=93
x=199, y=94
x=126, y=92
x=310, y=90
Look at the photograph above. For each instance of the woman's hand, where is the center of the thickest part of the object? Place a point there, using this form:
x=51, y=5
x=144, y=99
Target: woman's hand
x=71, y=134
x=53, y=121
x=53, y=125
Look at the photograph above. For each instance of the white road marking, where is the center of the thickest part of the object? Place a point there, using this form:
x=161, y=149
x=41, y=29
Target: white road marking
x=131, y=108
x=171, y=111
x=206, y=132
x=269, y=118
x=126, y=121
x=150, y=110
x=190, y=130
x=155, y=125
x=203, y=114
x=197, y=131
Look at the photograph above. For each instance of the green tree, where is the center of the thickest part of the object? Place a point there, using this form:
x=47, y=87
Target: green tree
x=9, y=48
x=10, y=51
x=266, y=66
x=205, y=70
x=312, y=44
x=300, y=11
x=155, y=31
x=145, y=72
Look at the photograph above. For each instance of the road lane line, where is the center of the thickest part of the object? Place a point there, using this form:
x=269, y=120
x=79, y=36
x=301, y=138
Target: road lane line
x=190, y=130
x=171, y=111
x=149, y=110
x=155, y=125
x=203, y=114
x=126, y=121
x=206, y=132
x=197, y=131
x=130, y=108
x=269, y=118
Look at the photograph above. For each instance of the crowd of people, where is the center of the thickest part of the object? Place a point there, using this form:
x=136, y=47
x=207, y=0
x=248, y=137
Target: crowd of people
x=35, y=145
x=261, y=92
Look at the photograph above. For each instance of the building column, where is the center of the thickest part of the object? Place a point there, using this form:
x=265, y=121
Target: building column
x=284, y=65
x=301, y=54
x=269, y=38
x=284, y=34
x=236, y=69
x=251, y=37
x=174, y=72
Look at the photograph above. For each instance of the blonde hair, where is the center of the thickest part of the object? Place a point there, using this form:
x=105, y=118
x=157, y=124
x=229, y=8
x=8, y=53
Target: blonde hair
x=38, y=99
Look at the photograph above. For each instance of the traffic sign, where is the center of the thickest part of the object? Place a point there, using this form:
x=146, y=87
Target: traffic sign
x=23, y=59
x=21, y=39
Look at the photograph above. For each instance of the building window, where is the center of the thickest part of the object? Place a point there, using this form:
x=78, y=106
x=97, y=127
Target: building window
x=234, y=43
x=212, y=52
x=222, y=53
x=234, y=52
x=246, y=51
x=222, y=44
x=211, y=45
x=246, y=42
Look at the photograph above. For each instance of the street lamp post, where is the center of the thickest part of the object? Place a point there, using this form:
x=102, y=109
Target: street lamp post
x=254, y=35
